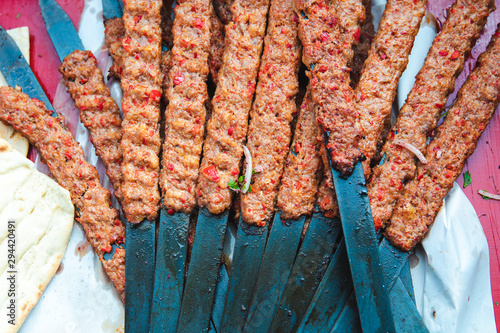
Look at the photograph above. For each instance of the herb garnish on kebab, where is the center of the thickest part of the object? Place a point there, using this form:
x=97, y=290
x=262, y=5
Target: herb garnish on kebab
x=141, y=85
x=421, y=112
x=454, y=142
x=223, y=148
x=272, y=112
x=66, y=161
x=228, y=125
x=268, y=143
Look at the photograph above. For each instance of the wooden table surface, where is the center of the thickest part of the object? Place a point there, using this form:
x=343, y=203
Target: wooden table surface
x=483, y=165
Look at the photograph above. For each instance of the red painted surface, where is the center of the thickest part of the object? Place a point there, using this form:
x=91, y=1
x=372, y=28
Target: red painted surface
x=484, y=164
x=44, y=60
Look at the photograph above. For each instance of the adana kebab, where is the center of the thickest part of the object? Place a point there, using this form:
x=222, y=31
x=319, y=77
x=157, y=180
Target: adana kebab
x=185, y=114
x=352, y=24
x=98, y=111
x=227, y=127
x=326, y=58
x=299, y=185
x=454, y=142
x=113, y=35
x=386, y=63
x=420, y=114
x=141, y=85
x=376, y=90
x=269, y=131
x=67, y=164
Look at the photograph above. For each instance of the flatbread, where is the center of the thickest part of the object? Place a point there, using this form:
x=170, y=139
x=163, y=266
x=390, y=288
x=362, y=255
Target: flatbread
x=43, y=217
x=22, y=38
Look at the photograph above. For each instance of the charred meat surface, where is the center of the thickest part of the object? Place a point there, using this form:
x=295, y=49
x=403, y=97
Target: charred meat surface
x=299, y=185
x=223, y=10
x=321, y=27
x=66, y=162
x=141, y=85
x=113, y=35
x=455, y=141
x=269, y=132
x=362, y=48
x=384, y=66
x=228, y=124
x=185, y=114
x=216, y=46
x=98, y=111
x=420, y=114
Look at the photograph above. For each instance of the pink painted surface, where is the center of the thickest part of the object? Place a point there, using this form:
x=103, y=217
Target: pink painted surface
x=484, y=164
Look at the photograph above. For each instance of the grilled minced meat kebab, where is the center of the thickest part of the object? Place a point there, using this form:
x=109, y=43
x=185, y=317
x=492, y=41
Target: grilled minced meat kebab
x=269, y=131
x=66, y=162
x=185, y=114
x=113, y=36
x=454, y=142
x=420, y=114
x=141, y=85
x=98, y=111
x=351, y=26
x=320, y=31
x=228, y=125
x=384, y=66
x=299, y=185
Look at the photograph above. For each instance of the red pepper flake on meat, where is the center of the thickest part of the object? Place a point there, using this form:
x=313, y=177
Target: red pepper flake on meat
x=186, y=91
x=141, y=114
x=211, y=172
x=234, y=92
x=94, y=210
x=423, y=197
x=424, y=104
x=272, y=112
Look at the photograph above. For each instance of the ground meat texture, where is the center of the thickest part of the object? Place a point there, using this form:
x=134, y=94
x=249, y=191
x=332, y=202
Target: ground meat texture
x=216, y=46
x=66, y=161
x=455, y=141
x=321, y=28
x=299, y=185
x=228, y=125
x=420, y=114
x=141, y=86
x=362, y=48
x=98, y=111
x=269, y=132
x=185, y=114
x=113, y=35
x=327, y=200
x=384, y=66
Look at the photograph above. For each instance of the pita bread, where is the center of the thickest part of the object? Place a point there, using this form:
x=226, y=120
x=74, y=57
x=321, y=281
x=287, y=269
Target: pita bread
x=22, y=38
x=43, y=215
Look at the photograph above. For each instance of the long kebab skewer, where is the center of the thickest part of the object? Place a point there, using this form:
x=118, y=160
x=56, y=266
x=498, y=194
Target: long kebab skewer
x=394, y=260
x=454, y=142
x=268, y=142
x=66, y=161
x=222, y=152
x=420, y=114
x=186, y=92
